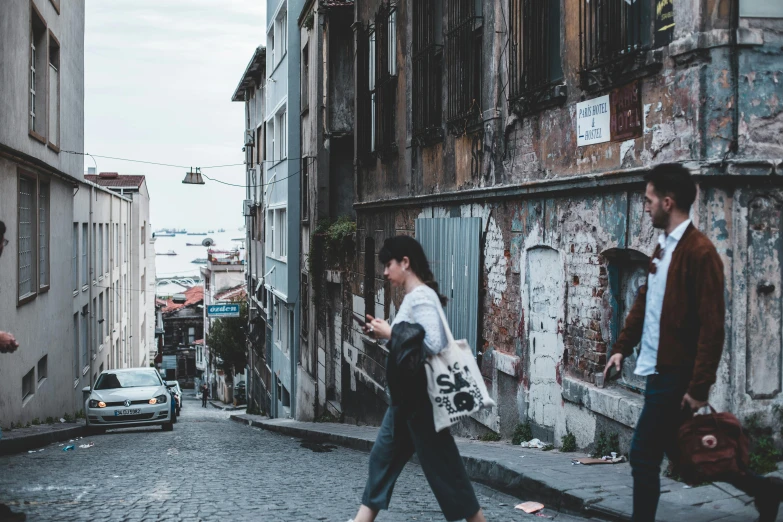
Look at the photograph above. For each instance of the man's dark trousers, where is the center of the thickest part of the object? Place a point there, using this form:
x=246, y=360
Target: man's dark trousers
x=656, y=434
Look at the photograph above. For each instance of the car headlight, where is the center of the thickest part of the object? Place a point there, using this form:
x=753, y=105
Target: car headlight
x=160, y=399
x=97, y=404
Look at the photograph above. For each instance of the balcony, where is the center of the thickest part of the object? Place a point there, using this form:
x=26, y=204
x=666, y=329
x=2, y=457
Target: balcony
x=225, y=260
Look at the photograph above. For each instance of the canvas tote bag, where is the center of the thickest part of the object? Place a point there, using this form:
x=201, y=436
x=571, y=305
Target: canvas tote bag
x=454, y=382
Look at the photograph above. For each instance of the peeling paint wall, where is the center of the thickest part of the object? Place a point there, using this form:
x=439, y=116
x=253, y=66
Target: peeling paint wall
x=558, y=220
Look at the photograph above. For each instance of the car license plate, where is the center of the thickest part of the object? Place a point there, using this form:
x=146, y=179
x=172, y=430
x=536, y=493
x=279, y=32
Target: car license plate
x=117, y=413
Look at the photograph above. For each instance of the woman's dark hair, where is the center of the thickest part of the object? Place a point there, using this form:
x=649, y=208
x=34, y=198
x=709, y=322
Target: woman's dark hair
x=2, y=229
x=398, y=247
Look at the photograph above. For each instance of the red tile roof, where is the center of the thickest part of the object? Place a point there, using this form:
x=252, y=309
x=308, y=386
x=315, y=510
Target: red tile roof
x=232, y=294
x=199, y=341
x=112, y=179
x=193, y=295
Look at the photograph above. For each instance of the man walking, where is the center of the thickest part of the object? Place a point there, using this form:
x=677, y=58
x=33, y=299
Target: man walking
x=679, y=318
x=204, y=394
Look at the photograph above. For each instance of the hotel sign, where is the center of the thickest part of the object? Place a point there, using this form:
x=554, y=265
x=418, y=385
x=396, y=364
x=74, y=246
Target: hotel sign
x=616, y=116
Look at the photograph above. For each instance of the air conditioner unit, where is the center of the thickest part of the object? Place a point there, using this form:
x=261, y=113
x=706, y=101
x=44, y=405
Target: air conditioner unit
x=249, y=138
x=248, y=208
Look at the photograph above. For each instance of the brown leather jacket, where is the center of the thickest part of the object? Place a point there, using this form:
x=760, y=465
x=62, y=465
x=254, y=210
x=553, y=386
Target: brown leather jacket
x=693, y=314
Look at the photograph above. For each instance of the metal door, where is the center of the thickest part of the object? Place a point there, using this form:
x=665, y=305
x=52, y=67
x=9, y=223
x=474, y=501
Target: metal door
x=452, y=248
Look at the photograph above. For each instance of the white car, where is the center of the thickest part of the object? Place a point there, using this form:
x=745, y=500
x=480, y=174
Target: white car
x=128, y=398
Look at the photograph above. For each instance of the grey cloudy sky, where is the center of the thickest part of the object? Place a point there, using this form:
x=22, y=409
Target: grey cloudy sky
x=159, y=75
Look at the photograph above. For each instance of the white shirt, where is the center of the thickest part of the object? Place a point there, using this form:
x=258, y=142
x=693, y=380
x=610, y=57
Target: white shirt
x=418, y=306
x=656, y=288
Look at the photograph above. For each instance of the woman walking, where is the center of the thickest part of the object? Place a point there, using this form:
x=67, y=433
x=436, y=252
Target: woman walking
x=408, y=425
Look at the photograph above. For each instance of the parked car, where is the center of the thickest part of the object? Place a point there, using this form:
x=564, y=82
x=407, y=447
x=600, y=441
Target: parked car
x=173, y=386
x=128, y=398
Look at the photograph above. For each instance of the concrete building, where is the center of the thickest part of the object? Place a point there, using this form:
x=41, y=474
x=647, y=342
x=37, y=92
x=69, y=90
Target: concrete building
x=251, y=91
x=41, y=117
x=100, y=263
x=223, y=275
x=511, y=139
x=327, y=119
x=183, y=326
x=281, y=202
x=140, y=289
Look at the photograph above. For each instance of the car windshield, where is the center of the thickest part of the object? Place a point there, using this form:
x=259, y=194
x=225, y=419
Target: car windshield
x=109, y=381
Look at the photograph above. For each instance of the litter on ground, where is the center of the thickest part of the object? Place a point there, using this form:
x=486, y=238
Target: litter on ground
x=69, y=447
x=533, y=443
x=530, y=507
x=85, y=446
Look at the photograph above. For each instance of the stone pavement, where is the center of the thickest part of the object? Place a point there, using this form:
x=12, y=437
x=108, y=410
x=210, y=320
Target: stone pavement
x=25, y=439
x=602, y=491
x=209, y=468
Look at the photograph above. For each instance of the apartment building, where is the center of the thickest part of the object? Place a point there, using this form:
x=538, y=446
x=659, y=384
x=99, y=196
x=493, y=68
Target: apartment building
x=41, y=117
x=140, y=288
x=281, y=201
x=251, y=91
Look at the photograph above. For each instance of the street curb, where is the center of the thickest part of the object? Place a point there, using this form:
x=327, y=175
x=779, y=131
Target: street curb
x=38, y=440
x=226, y=407
x=484, y=471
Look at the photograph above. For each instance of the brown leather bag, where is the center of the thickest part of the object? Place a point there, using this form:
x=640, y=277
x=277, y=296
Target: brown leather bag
x=712, y=446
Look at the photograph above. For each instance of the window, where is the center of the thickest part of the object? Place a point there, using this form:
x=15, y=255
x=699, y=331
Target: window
x=384, y=42
x=270, y=132
x=75, y=257
x=305, y=306
x=271, y=50
x=42, y=367
x=124, y=242
x=427, y=62
x=280, y=127
x=614, y=36
x=38, y=61
x=291, y=334
x=276, y=319
x=365, y=87
x=54, y=93
x=85, y=247
x=260, y=150
x=143, y=287
x=94, y=322
x=305, y=190
x=191, y=336
x=144, y=238
x=28, y=384
x=101, y=322
x=116, y=245
x=116, y=296
x=106, y=249
x=282, y=228
x=463, y=62
x=281, y=30
x=93, y=252
x=535, y=63
x=99, y=266
x=76, y=366
x=43, y=235
x=270, y=240
x=305, y=88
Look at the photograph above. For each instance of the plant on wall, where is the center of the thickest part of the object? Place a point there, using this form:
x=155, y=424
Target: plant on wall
x=332, y=247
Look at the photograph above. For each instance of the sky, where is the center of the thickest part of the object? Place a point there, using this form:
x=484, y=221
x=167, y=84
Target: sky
x=159, y=76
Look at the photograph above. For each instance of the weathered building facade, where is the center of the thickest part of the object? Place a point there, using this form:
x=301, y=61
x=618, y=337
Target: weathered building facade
x=326, y=179
x=251, y=91
x=521, y=130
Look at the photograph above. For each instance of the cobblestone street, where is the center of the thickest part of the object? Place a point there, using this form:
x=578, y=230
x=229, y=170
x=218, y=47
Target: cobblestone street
x=210, y=468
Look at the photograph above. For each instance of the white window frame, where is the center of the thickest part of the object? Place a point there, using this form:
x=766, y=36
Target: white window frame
x=282, y=233
x=392, y=43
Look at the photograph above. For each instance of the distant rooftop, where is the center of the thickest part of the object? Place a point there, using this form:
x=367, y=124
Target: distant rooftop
x=253, y=74
x=116, y=180
x=193, y=295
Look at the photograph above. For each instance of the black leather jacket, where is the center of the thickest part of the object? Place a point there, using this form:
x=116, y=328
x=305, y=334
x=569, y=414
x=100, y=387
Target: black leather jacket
x=405, y=373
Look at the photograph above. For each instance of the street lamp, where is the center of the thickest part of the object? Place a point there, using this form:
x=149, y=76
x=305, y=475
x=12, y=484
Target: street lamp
x=193, y=178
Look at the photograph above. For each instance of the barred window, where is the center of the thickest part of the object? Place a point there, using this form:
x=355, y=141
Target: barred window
x=26, y=237
x=535, y=63
x=614, y=34
x=463, y=61
x=365, y=85
x=43, y=235
x=427, y=69
x=384, y=99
